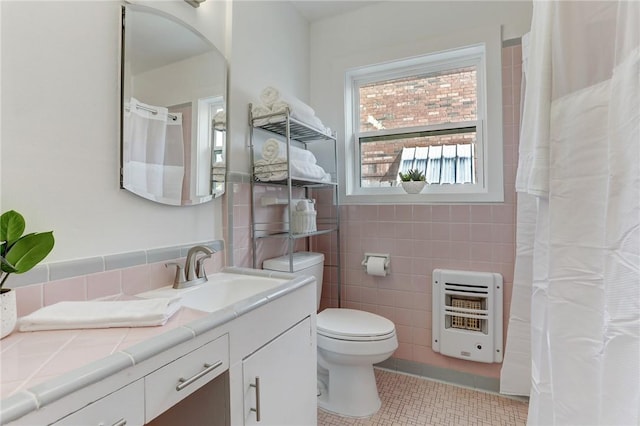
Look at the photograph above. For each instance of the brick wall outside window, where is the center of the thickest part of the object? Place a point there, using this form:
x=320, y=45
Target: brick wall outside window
x=436, y=98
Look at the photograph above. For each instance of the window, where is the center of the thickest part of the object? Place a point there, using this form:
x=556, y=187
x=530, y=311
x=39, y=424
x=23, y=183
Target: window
x=427, y=113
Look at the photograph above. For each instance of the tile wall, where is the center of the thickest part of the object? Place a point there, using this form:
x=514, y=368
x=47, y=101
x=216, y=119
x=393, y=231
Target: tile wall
x=419, y=238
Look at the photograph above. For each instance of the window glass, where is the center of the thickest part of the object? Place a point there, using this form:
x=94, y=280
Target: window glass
x=440, y=97
x=439, y=113
x=436, y=156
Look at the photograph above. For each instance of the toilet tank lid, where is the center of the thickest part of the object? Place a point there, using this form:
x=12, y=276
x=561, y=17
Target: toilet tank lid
x=351, y=322
x=301, y=260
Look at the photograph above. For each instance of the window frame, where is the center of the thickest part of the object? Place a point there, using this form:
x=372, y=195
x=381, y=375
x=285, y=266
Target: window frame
x=485, y=55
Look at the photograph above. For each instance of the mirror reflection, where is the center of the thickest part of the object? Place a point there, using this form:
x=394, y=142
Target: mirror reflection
x=173, y=132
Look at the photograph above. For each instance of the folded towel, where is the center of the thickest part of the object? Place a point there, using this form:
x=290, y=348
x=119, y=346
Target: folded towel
x=300, y=114
x=273, y=148
x=270, y=170
x=270, y=95
x=274, y=170
x=101, y=314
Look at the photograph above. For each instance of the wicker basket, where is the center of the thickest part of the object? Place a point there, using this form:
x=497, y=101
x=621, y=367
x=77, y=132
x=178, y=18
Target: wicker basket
x=303, y=222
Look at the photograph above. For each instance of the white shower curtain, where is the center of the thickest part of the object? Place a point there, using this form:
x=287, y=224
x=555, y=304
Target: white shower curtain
x=580, y=160
x=153, y=152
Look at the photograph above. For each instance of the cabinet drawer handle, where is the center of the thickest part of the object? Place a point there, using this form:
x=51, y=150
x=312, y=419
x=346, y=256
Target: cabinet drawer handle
x=120, y=422
x=207, y=369
x=257, y=409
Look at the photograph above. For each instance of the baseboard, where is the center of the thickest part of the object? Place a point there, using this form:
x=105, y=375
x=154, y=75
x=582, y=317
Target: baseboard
x=468, y=380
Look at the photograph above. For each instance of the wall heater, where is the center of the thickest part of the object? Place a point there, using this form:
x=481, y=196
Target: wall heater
x=467, y=315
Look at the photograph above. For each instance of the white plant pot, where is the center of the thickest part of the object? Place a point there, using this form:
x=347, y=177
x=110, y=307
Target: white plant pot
x=9, y=312
x=413, y=186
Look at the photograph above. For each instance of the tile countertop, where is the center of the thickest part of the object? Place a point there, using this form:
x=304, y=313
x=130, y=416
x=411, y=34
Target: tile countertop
x=41, y=367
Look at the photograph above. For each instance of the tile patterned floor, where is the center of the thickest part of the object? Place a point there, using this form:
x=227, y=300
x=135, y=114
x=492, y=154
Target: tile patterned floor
x=412, y=401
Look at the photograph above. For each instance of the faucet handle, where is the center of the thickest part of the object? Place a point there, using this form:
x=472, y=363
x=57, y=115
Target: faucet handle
x=201, y=272
x=179, y=279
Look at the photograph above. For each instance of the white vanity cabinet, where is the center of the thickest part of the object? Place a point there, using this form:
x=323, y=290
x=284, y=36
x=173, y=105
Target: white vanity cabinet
x=123, y=407
x=174, y=378
x=279, y=385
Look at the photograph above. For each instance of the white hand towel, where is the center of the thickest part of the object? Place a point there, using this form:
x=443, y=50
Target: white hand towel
x=101, y=314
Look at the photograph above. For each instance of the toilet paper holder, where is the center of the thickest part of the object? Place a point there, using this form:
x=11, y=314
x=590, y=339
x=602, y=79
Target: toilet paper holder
x=387, y=260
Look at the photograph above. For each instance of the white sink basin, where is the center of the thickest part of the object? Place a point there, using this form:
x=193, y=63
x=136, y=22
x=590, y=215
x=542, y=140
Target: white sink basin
x=222, y=290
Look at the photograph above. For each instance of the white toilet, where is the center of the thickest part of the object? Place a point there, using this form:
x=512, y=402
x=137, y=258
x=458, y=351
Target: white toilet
x=349, y=343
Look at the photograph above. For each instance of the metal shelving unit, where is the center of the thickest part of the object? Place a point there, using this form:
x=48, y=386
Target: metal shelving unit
x=287, y=127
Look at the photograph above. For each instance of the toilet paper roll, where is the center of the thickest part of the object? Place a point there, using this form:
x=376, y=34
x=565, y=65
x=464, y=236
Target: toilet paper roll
x=375, y=266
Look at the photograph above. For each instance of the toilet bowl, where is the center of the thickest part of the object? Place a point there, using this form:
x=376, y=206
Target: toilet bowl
x=349, y=342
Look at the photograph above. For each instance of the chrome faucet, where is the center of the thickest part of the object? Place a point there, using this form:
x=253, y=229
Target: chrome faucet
x=194, y=271
x=193, y=266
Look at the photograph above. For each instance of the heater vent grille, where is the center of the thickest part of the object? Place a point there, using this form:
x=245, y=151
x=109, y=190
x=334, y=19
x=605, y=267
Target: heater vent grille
x=467, y=314
x=466, y=322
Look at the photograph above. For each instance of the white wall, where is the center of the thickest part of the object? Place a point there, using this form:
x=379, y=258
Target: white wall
x=60, y=101
x=385, y=31
x=270, y=46
x=60, y=130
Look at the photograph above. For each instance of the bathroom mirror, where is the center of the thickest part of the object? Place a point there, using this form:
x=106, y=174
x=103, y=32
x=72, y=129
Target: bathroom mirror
x=173, y=110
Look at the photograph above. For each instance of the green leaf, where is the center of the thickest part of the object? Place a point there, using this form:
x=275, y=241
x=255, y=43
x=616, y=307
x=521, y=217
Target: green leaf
x=12, y=226
x=6, y=266
x=28, y=251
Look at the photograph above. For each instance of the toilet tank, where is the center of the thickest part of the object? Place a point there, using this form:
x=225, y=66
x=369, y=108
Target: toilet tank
x=304, y=263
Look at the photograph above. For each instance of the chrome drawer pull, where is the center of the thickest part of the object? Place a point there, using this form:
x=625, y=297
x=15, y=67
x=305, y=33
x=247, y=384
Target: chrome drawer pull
x=120, y=422
x=186, y=382
x=257, y=409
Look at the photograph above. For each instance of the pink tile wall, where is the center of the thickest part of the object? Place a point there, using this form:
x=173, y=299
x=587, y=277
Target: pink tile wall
x=419, y=239
x=129, y=281
x=270, y=218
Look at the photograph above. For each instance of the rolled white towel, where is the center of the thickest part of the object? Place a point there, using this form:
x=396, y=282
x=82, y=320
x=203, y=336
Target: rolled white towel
x=220, y=120
x=220, y=117
x=270, y=95
x=258, y=111
x=273, y=148
x=101, y=314
x=270, y=149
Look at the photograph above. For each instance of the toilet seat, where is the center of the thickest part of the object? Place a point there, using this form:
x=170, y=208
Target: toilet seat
x=353, y=325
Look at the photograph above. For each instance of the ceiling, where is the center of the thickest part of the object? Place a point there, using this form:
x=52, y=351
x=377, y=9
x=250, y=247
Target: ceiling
x=315, y=10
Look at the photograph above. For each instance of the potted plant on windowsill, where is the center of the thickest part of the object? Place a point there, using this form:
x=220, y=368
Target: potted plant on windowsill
x=18, y=254
x=413, y=181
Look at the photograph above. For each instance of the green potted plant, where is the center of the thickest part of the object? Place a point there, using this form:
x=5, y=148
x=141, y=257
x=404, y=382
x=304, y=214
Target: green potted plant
x=413, y=181
x=19, y=253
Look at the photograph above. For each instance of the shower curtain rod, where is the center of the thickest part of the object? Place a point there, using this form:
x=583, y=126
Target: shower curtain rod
x=153, y=111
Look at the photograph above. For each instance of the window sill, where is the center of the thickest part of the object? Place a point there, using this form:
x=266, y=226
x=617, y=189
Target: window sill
x=429, y=195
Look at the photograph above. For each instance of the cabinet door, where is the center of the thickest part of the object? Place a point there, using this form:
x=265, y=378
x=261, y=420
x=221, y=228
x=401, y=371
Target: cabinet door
x=124, y=406
x=285, y=371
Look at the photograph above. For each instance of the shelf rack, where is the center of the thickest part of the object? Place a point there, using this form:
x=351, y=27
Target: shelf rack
x=290, y=129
